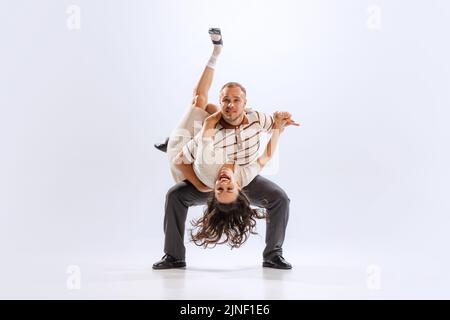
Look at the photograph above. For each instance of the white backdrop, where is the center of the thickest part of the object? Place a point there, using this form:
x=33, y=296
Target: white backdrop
x=87, y=87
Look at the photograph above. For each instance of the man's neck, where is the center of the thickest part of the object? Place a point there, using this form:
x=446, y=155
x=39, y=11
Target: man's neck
x=227, y=125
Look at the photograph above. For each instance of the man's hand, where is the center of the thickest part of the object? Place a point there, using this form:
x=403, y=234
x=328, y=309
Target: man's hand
x=283, y=120
x=210, y=123
x=202, y=187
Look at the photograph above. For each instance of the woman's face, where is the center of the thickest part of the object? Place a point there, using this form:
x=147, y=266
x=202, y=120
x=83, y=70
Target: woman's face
x=226, y=189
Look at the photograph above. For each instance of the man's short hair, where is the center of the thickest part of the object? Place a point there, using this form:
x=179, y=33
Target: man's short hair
x=233, y=85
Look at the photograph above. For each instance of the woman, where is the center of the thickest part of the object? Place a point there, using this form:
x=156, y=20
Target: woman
x=228, y=216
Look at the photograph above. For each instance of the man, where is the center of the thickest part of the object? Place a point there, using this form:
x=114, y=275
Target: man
x=238, y=133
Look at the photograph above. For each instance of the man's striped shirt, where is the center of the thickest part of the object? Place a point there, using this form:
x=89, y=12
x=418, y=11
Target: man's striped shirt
x=240, y=145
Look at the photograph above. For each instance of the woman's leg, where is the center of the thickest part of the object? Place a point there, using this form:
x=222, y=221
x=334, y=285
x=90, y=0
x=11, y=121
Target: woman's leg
x=200, y=99
x=200, y=96
x=194, y=118
x=210, y=108
x=191, y=121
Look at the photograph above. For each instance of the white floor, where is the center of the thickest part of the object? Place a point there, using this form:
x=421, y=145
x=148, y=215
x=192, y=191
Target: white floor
x=224, y=274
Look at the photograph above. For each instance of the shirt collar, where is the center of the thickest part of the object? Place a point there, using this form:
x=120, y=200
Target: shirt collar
x=226, y=125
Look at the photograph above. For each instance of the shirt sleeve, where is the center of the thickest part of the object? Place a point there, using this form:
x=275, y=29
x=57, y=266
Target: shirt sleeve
x=265, y=120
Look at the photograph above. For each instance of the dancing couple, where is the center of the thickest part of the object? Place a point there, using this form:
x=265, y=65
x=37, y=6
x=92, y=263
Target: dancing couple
x=215, y=160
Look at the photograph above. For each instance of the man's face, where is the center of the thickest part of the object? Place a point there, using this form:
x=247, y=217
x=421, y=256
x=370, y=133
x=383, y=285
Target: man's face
x=232, y=102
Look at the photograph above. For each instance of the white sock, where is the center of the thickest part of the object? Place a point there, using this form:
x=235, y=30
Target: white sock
x=216, y=52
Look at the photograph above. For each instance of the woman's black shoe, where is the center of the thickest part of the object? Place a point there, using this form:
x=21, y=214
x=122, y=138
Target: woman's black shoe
x=162, y=146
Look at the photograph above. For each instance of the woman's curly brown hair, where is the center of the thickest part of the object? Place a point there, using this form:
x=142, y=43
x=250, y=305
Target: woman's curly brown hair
x=226, y=223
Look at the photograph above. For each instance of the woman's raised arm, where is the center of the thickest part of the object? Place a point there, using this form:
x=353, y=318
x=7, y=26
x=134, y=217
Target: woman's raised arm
x=281, y=121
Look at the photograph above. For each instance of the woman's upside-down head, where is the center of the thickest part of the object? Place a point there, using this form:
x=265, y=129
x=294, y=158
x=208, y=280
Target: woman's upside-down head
x=229, y=223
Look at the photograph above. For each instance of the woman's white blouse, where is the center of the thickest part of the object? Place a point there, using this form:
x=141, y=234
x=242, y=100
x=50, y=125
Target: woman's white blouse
x=209, y=160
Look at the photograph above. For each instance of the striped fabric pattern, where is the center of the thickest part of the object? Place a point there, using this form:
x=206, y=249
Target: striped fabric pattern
x=241, y=144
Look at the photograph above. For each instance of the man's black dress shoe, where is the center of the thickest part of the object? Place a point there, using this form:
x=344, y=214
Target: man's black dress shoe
x=162, y=146
x=277, y=262
x=169, y=262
